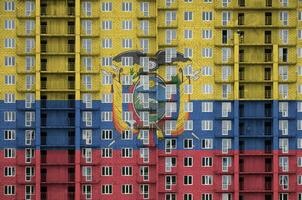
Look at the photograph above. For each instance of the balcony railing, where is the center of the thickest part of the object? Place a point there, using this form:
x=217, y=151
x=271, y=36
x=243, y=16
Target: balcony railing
x=43, y=195
x=268, y=94
x=71, y=85
x=268, y=57
x=71, y=11
x=71, y=66
x=43, y=29
x=71, y=29
x=69, y=48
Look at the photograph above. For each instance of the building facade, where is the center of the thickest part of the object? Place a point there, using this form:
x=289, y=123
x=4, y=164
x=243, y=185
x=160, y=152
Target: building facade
x=151, y=99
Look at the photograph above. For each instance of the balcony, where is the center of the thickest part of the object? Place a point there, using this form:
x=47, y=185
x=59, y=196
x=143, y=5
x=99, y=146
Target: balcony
x=268, y=94
x=52, y=12
x=268, y=57
x=57, y=50
x=43, y=195
x=71, y=29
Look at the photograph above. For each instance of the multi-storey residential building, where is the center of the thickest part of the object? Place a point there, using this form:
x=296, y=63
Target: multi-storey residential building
x=151, y=99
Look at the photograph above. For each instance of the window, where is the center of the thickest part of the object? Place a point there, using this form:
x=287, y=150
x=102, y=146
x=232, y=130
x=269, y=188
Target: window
x=206, y=162
x=107, y=61
x=127, y=43
x=206, y=180
x=9, y=43
x=106, y=171
x=87, y=45
x=29, y=62
x=29, y=118
x=9, y=24
x=29, y=45
x=226, y=54
x=299, y=161
x=126, y=171
x=126, y=79
x=284, y=181
x=86, y=7
x=188, y=52
x=87, y=26
x=169, y=163
x=9, y=6
x=226, y=17
x=106, y=189
x=107, y=79
x=188, y=107
x=299, y=143
x=106, y=134
x=226, y=90
x=226, y=126
x=188, y=143
x=9, y=134
x=127, y=61
x=188, y=161
x=283, y=196
x=9, y=61
x=226, y=163
x=126, y=189
x=9, y=153
x=87, y=118
x=87, y=100
x=284, y=17
x=207, y=144
x=299, y=179
x=126, y=152
x=9, y=189
x=106, y=152
x=127, y=135
x=206, y=71
x=9, y=98
x=207, y=34
x=207, y=89
x=226, y=181
x=126, y=6
x=29, y=173
x=300, y=15
x=283, y=34
x=207, y=106
x=29, y=26
x=207, y=196
x=207, y=16
x=206, y=52
x=87, y=190
x=106, y=116
x=188, y=180
x=127, y=25
x=188, y=34
x=206, y=125
x=283, y=90
x=107, y=6
x=188, y=16
x=107, y=43
x=87, y=136
x=9, y=116
x=226, y=145
x=107, y=25
x=188, y=196
x=87, y=173
x=9, y=171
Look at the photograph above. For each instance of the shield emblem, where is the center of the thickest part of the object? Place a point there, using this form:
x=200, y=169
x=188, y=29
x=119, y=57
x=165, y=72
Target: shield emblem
x=155, y=98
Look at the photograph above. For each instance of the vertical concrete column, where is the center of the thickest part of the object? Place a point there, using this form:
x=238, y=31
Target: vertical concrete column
x=275, y=121
x=236, y=116
x=37, y=97
x=77, y=100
